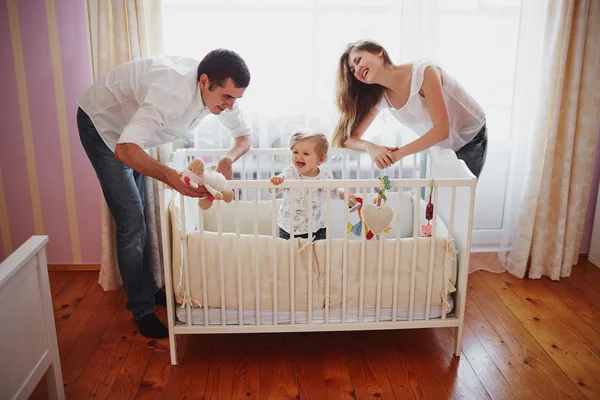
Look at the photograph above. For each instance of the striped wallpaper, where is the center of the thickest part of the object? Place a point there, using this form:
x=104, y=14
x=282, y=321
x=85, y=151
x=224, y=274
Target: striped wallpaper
x=47, y=185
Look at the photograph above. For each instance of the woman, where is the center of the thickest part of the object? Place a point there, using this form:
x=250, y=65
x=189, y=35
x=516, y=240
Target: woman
x=420, y=95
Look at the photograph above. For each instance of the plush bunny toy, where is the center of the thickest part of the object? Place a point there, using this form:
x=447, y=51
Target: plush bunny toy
x=197, y=175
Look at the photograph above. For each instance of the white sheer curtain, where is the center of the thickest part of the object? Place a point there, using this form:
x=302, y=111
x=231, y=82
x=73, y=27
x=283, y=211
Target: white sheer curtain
x=120, y=31
x=556, y=126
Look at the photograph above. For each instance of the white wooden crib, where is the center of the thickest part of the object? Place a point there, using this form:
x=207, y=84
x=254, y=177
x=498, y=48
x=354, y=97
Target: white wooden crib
x=226, y=270
x=28, y=345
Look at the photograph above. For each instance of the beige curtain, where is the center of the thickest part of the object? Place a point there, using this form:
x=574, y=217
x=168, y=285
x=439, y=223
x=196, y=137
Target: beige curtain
x=121, y=31
x=564, y=130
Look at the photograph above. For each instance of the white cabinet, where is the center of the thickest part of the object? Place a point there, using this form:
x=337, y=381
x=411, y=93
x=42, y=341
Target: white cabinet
x=594, y=255
x=28, y=345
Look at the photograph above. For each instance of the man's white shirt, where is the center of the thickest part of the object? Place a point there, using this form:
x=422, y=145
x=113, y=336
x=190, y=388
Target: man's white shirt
x=151, y=101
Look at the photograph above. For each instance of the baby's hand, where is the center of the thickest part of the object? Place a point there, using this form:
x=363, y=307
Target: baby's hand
x=352, y=197
x=277, y=180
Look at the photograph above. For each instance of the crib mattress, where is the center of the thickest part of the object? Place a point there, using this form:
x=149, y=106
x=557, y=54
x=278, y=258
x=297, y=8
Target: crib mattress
x=301, y=317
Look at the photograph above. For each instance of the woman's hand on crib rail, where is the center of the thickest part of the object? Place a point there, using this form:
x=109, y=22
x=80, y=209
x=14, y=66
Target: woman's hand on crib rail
x=381, y=155
x=173, y=180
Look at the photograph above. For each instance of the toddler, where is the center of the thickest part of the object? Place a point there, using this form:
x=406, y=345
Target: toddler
x=309, y=151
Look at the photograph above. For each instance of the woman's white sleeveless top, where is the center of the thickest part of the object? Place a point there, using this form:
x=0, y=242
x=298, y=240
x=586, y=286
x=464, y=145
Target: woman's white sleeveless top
x=465, y=115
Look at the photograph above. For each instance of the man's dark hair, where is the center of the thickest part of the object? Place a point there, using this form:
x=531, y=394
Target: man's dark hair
x=221, y=64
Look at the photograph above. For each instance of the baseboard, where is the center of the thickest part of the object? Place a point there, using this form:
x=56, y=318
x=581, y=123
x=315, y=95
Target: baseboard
x=496, y=249
x=73, y=267
x=594, y=261
x=479, y=248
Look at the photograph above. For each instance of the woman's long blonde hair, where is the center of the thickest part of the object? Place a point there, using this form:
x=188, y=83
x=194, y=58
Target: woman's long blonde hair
x=354, y=98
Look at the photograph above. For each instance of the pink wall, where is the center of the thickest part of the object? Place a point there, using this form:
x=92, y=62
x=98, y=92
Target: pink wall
x=12, y=150
x=38, y=73
x=589, y=217
x=44, y=126
x=71, y=18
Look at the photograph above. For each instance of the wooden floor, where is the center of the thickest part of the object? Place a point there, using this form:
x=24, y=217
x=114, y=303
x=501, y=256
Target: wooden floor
x=523, y=339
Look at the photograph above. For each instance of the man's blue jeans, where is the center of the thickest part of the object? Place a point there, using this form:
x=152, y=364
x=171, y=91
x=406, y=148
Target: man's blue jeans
x=123, y=190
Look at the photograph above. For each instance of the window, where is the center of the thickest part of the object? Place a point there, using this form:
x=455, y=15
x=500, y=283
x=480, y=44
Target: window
x=293, y=46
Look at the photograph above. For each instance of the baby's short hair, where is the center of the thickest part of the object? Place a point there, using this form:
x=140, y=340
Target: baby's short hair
x=321, y=143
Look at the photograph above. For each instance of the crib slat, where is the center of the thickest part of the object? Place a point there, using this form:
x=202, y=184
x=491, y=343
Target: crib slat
x=203, y=266
x=428, y=159
x=328, y=253
x=379, y=269
x=244, y=175
x=431, y=258
x=221, y=270
x=416, y=223
x=452, y=204
x=363, y=251
x=239, y=260
x=450, y=234
x=397, y=257
x=274, y=249
x=244, y=172
x=186, y=266
x=292, y=240
x=310, y=259
x=256, y=265
x=401, y=166
x=414, y=174
x=345, y=259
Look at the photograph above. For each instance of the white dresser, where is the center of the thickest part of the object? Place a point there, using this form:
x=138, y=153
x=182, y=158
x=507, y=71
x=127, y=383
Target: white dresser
x=28, y=345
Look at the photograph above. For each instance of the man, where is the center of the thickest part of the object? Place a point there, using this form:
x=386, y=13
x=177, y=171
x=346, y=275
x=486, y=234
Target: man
x=143, y=104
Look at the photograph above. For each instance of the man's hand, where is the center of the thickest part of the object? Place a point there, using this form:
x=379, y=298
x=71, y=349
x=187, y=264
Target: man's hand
x=172, y=179
x=137, y=159
x=225, y=167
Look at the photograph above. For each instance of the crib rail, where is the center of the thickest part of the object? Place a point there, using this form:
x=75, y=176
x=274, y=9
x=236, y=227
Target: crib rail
x=259, y=164
x=408, y=180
